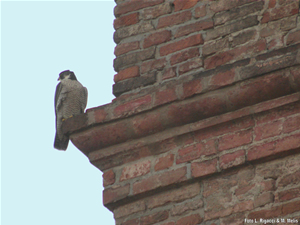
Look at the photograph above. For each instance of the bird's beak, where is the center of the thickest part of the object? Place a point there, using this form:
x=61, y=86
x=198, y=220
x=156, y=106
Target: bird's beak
x=58, y=79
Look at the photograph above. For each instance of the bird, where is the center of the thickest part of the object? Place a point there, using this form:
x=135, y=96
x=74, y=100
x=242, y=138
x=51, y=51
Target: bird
x=70, y=100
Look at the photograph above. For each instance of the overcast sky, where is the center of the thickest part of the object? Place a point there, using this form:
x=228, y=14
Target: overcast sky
x=39, y=39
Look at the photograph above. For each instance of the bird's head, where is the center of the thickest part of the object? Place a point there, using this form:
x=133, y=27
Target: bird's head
x=67, y=74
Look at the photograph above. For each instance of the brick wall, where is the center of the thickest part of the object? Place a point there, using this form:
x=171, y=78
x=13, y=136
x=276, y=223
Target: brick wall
x=205, y=127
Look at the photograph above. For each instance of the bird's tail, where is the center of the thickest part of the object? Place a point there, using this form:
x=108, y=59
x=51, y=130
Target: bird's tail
x=61, y=143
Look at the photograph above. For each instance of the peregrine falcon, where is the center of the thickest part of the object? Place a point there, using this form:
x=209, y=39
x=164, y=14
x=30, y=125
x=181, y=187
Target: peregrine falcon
x=70, y=100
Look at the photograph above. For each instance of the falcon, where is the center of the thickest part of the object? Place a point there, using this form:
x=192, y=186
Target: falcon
x=70, y=100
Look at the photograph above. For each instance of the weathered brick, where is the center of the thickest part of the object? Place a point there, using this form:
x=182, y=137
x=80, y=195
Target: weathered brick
x=191, y=28
x=182, y=4
x=147, y=124
x=290, y=179
x=114, y=194
x=237, y=12
x=180, y=209
x=291, y=124
x=131, y=222
x=232, y=159
x=195, y=151
x=154, y=218
x=280, y=12
x=200, y=169
x=293, y=37
x=164, y=162
x=174, y=195
x=243, y=37
x=130, y=84
x=169, y=73
x=127, y=73
x=135, y=170
x=289, y=194
x=274, y=212
x=217, y=214
x=243, y=206
x=123, y=48
x=232, y=27
x=263, y=199
x=160, y=180
x=132, y=106
x=100, y=115
x=157, y=38
x=108, y=178
x=184, y=55
x=181, y=44
x=190, y=65
x=215, y=46
x=165, y=96
x=274, y=147
x=268, y=185
x=200, y=11
x=234, y=140
x=130, y=208
x=174, y=19
x=124, y=61
x=221, y=79
x=290, y=208
x=131, y=6
x=193, y=219
x=153, y=64
x=192, y=87
x=224, y=5
x=244, y=189
x=126, y=20
x=154, y=12
x=272, y=4
x=132, y=30
x=267, y=130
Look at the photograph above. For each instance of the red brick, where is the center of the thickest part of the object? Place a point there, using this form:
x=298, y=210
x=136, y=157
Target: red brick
x=186, y=206
x=289, y=179
x=168, y=223
x=195, y=151
x=280, y=12
x=268, y=185
x=243, y=206
x=147, y=124
x=200, y=169
x=191, y=28
x=126, y=20
x=127, y=73
x=157, y=38
x=154, y=12
x=114, y=194
x=160, y=180
x=135, y=170
x=244, y=189
x=232, y=159
x=133, y=106
x=190, y=65
x=131, y=6
x=131, y=222
x=126, y=47
x=164, y=162
x=165, y=96
x=268, y=130
x=169, y=73
x=200, y=11
x=192, y=87
x=100, y=115
x=272, y=3
x=290, y=208
x=174, y=19
x=183, y=4
x=217, y=214
x=291, y=124
x=184, y=55
x=289, y=194
x=181, y=44
x=263, y=199
x=266, y=213
x=154, y=218
x=222, y=79
x=224, y=5
x=153, y=64
x=293, y=37
x=129, y=209
x=271, y=148
x=234, y=140
x=193, y=219
x=217, y=60
x=108, y=178
x=174, y=195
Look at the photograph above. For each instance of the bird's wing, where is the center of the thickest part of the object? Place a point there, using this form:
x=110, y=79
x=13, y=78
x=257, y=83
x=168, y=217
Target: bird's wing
x=57, y=94
x=84, y=99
